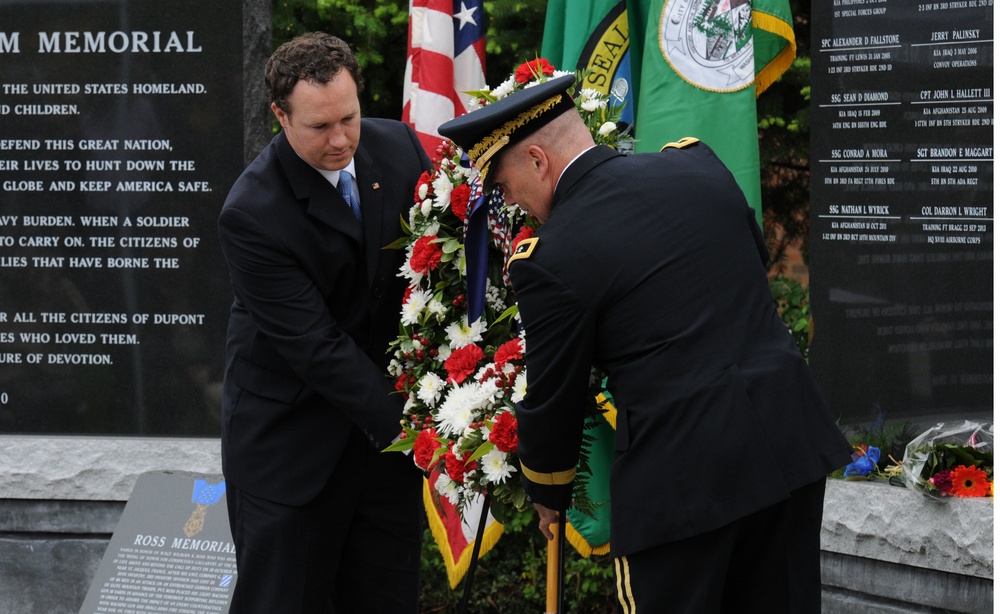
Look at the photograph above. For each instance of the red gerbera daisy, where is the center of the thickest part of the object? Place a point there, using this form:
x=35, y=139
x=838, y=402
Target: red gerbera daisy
x=969, y=482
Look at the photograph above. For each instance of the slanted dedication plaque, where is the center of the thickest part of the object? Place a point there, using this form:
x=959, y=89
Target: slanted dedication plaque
x=901, y=243
x=171, y=551
x=120, y=133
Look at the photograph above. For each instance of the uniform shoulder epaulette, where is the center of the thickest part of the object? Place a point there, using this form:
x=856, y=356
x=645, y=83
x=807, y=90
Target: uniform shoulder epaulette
x=681, y=144
x=523, y=250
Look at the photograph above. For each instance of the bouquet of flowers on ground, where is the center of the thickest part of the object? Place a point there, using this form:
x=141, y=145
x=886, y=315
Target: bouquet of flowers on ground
x=461, y=375
x=951, y=459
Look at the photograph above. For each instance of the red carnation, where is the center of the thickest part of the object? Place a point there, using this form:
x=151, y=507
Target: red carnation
x=942, y=481
x=460, y=200
x=424, y=448
x=462, y=362
x=508, y=352
x=526, y=233
x=457, y=467
x=504, y=433
x=426, y=254
x=401, y=381
x=425, y=178
x=529, y=70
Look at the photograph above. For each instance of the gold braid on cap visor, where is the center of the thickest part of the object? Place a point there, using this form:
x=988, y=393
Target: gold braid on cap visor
x=487, y=147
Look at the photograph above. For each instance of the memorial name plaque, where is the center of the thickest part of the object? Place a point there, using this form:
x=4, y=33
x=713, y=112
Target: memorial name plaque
x=171, y=551
x=901, y=231
x=121, y=131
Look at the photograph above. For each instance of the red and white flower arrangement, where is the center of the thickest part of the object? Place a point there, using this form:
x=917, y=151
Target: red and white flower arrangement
x=461, y=379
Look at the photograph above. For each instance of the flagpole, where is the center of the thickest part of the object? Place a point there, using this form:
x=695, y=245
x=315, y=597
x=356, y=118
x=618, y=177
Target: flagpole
x=554, y=569
x=475, y=556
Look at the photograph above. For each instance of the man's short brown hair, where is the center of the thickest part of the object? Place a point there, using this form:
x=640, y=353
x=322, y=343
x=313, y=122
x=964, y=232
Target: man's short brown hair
x=315, y=57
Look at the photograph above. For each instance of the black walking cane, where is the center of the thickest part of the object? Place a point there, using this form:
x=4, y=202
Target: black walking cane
x=475, y=557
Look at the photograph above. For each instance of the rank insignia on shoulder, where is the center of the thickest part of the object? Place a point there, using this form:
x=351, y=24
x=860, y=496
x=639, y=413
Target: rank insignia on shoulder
x=681, y=144
x=523, y=250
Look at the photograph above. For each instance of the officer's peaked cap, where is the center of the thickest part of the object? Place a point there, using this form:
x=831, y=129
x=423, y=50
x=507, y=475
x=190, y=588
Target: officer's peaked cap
x=485, y=132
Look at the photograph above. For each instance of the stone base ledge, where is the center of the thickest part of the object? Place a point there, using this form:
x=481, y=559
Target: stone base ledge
x=861, y=519
x=95, y=468
x=873, y=520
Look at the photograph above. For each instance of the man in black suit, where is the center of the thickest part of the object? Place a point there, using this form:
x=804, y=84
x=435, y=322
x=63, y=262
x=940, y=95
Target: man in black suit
x=652, y=267
x=321, y=521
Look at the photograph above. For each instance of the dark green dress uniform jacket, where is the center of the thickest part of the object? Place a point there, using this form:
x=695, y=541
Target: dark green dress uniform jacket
x=651, y=267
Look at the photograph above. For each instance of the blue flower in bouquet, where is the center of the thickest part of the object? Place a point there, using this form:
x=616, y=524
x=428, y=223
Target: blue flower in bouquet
x=865, y=461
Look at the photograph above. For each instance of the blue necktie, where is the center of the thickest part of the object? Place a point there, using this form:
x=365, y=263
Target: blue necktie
x=346, y=186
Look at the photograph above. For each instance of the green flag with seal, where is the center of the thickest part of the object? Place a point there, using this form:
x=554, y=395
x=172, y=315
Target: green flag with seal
x=592, y=36
x=698, y=67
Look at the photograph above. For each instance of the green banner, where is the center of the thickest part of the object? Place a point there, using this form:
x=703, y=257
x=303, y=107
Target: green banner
x=699, y=66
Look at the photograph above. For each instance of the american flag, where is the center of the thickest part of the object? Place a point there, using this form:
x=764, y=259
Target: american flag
x=445, y=57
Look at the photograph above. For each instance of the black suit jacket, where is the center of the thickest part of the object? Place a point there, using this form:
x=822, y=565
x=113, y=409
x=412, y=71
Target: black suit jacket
x=651, y=267
x=317, y=301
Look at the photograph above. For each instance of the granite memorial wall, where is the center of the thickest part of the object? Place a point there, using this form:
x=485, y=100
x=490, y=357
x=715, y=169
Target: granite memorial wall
x=901, y=228
x=121, y=130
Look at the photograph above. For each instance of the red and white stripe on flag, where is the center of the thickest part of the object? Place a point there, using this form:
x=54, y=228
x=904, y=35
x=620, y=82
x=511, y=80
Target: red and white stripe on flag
x=454, y=534
x=446, y=55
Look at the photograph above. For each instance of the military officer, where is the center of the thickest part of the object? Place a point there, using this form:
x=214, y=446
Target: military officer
x=652, y=267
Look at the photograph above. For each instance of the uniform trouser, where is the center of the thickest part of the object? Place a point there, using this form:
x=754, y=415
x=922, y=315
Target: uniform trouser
x=765, y=562
x=355, y=548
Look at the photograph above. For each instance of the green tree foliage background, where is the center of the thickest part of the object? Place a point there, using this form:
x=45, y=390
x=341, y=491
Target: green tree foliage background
x=511, y=578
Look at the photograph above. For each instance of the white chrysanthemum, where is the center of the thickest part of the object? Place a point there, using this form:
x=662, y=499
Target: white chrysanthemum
x=431, y=230
x=429, y=389
x=394, y=367
x=593, y=105
x=437, y=309
x=425, y=207
x=460, y=407
x=407, y=272
x=560, y=73
x=495, y=467
x=444, y=351
x=458, y=261
x=411, y=403
x=466, y=173
x=587, y=94
x=446, y=488
x=442, y=191
x=414, y=306
x=422, y=191
x=520, y=388
x=606, y=128
x=462, y=333
x=495, y=298
x=489, y=386
x=505, y=89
